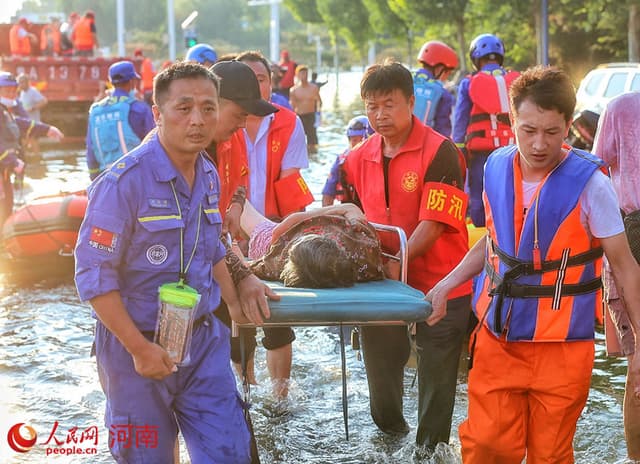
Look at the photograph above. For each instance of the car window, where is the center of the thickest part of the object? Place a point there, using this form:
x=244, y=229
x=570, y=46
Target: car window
x=615, y=86
x=635, y=83
x=593, y=84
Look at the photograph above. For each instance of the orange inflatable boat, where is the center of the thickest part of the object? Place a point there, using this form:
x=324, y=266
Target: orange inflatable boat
x=43, y=233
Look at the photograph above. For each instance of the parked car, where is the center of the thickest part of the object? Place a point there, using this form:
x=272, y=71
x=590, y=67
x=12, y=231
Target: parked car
x=606, y=82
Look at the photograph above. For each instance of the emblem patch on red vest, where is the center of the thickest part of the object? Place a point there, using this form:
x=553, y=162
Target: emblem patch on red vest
x=409, y=182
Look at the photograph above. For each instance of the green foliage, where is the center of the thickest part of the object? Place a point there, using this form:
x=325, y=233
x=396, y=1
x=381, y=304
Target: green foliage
x=582, y=33
x=305, y=11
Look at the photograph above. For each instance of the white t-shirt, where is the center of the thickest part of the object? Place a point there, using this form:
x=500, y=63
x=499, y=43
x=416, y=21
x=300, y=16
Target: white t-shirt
x=600, y=213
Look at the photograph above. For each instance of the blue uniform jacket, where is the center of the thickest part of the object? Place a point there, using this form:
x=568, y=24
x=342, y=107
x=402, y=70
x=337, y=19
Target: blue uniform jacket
x=129, y=240
x=140, y=120
x=11, y=130
x=462, y=112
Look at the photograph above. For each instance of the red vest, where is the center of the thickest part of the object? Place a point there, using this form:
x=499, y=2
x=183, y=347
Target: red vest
x=287, y=79
x=50, y=33
x=233, y=165
x=407, y=195
x=82, y=35
x=146, y=74
x=19, y=45
x=489, y=127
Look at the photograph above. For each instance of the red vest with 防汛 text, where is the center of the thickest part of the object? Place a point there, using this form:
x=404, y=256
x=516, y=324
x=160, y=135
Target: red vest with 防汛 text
x=409, y=198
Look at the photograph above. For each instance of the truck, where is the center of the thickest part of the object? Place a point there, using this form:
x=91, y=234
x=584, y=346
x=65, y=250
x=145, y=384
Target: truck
x=70, y=83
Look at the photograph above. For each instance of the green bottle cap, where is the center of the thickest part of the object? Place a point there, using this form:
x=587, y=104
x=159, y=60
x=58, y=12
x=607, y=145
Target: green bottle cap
x=178, y=294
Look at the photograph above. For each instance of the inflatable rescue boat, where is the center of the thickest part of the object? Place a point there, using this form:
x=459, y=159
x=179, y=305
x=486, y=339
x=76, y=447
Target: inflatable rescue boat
x=40, y=236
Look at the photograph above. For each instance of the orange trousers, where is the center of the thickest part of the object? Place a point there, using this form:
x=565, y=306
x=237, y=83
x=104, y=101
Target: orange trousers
x=525, y=399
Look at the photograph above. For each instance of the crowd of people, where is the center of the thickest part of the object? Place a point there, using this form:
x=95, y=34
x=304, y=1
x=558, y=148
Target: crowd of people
x=219, y=151
x=76, y=36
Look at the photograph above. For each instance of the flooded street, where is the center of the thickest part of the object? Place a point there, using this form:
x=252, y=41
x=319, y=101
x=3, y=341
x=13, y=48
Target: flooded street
x=48, y=379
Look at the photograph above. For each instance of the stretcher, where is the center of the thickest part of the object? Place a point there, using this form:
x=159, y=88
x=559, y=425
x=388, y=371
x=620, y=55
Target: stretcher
x=384, y=302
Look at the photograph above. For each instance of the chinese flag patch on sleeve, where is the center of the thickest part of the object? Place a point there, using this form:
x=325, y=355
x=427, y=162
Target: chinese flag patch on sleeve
x=103, y=237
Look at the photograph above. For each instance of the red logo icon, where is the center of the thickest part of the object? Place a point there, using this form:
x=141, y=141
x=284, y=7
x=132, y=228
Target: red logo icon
x=17, y=439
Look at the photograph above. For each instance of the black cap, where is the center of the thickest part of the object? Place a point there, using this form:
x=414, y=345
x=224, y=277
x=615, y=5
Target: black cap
x=239, y=84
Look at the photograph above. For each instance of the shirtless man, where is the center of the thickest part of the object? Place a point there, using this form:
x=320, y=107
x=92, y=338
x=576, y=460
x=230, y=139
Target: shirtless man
x=305, y=101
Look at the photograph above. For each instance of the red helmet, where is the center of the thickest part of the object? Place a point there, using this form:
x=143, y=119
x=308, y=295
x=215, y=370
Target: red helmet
x=435, y=52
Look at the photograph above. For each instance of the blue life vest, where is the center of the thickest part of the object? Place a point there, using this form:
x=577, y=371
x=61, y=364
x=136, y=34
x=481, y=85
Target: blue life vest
x=428, y=92
x=552, y=298
x=110, y=131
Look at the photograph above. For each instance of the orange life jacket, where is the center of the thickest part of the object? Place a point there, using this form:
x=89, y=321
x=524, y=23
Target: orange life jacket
x=50, y=33
x=233, y=167
x=542, y=271
x=409, y=200
x=20, y=46
x=489, y=126
x=82, y=36
x=146, y=74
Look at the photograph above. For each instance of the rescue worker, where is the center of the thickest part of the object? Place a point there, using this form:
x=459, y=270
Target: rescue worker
x=130, y=243
x=32, y=101
x=20, y=38
x=616, y=142
x=288, y=70
x=84, y=35
x=203, y=54
x=481, y=116
x=358, y=129
x=550, y=213
x=408, y=175
x=12, y=130
x=265, y=156
x=146, y=75
x=433, y=102
x=50, y=38
x=66, y=28
x=118, y=122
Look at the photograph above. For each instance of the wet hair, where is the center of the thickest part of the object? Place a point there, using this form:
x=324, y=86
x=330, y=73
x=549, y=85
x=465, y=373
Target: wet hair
x=317, y=261
x=254, y=56
x=180, y=70
x=385, y=78
x=547, y=87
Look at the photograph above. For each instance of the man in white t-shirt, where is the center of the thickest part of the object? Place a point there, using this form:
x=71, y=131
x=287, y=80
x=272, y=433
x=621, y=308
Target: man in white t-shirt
x=550, y=213
x=32, y=101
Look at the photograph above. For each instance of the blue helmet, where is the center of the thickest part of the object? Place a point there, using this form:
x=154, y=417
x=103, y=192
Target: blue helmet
x=486, y=44
x=359, y=126
x=7, y=79
x=201, y=53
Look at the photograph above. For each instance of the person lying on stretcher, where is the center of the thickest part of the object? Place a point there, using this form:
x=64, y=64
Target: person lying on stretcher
x=328, y=247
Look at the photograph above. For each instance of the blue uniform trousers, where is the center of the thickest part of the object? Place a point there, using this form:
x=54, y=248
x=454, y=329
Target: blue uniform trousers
x=200, y=398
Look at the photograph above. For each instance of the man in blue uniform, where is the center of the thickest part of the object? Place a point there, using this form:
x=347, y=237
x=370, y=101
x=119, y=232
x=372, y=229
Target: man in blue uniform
x=153, y=219
x=118, y=122
x=12, y=130
x=481, y=116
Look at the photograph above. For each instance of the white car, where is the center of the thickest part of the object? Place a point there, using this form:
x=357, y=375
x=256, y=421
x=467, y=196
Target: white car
x=606, y=82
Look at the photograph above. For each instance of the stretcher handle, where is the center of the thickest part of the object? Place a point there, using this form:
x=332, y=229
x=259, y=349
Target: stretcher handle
x=402, y=238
